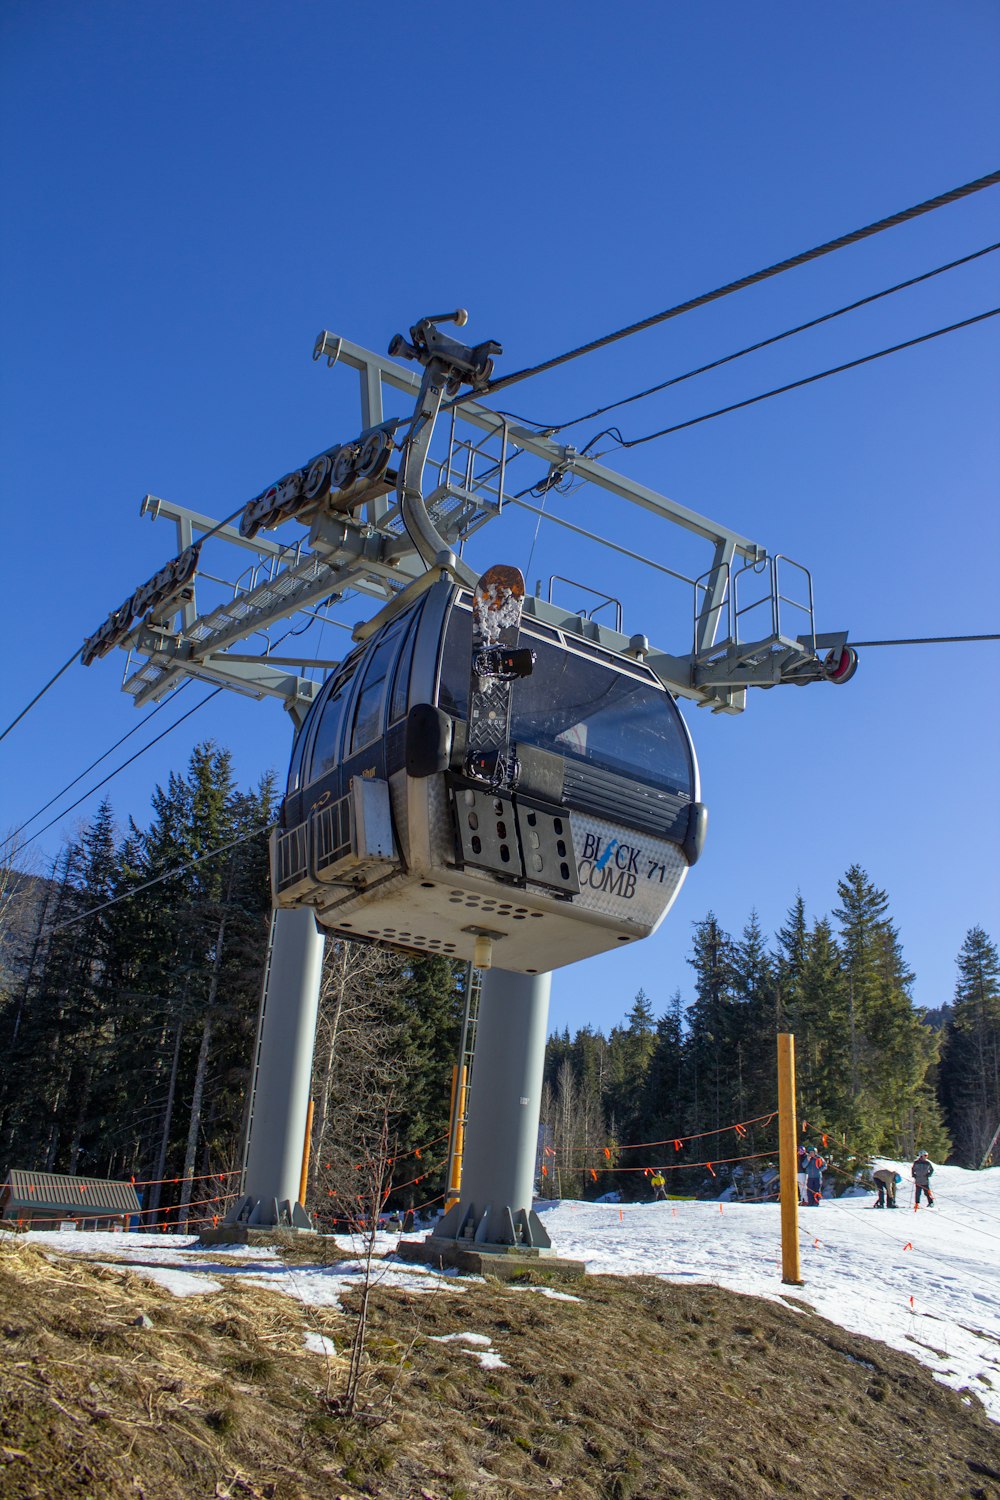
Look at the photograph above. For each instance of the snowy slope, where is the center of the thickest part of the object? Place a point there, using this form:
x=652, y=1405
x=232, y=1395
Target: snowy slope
x=927, y=1282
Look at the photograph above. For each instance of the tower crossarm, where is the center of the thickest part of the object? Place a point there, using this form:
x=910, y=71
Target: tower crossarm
x=373, y=526
x=342, y=351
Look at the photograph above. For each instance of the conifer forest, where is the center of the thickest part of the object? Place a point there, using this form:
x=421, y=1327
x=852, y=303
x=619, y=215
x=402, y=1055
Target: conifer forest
x=129, y=1003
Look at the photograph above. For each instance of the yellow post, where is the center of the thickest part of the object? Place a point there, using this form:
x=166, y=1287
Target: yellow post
x=791, y=1266
x=306, y=1145
x=451, y=1194
x=459, y=1089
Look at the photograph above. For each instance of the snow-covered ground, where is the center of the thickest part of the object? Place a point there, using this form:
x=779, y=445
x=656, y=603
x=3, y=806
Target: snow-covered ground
x=926, y=1282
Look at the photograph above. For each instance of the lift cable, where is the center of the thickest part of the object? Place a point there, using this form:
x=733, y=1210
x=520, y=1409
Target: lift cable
x=167, y=874
x=549, y=430
x=66, y=666
x=94, y=763
x=942, y=199
x=953, y=196
x=114, y=747
x=41, y=693
x=793, y=385
x=111, y=774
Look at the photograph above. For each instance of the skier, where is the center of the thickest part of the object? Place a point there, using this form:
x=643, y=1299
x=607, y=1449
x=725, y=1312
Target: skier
x=814, y=1177
x=885, y=1180
x=922, y=1171
x=659, y=1185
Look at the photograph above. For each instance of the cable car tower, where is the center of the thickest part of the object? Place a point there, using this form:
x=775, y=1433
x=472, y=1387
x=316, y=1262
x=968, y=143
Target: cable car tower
x=485, y=775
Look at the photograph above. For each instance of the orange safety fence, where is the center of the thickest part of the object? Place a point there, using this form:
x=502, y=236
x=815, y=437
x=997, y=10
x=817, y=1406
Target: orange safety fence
x=173, y=1208
x=163, y=1210
x=684, y=1166
x=140, y=1182
x=416, y=1209
x=395, y=1187
x=360, y=1166
x=205, y=1177
x=173, y=1211
x=677, y=1141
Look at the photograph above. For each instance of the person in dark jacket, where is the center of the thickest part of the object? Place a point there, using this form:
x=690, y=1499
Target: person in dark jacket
x=800, y=1172
x=814, y=1178
x=922, y=1171
x=885, y=1180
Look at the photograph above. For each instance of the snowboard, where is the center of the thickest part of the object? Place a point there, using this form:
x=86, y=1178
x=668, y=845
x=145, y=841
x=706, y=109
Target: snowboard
x=497, y=662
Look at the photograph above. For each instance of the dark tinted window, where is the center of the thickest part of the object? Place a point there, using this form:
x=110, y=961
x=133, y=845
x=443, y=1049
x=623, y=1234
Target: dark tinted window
x=294, y=770
x=581, y=708
x=368, y=715
x=401, y=680
x=326, y=745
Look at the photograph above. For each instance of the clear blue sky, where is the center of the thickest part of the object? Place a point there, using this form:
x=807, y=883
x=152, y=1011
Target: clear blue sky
x=191, y=192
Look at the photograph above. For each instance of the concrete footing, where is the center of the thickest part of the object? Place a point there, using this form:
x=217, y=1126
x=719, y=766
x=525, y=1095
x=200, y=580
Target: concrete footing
x=255, y=1234
x=505, y=1262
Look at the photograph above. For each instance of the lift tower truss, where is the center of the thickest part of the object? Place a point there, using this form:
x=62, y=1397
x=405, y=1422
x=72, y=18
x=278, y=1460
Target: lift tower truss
x=372, y=531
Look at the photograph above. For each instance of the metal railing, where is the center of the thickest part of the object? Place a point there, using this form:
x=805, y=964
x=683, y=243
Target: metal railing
x=607, y=600
x=724, y=622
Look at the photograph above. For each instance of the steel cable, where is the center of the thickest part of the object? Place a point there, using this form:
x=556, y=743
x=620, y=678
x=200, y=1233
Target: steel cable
x=40, y=694
x=166, y=875
x=549, y=429
x=890, y=222
x=112, y=774
x=792, y=385
x=110, y=751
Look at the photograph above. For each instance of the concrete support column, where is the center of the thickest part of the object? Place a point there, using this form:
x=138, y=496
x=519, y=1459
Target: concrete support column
x=282, y=1074
x=505, y=1100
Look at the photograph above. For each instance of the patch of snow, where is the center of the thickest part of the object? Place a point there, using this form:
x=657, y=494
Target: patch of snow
x=318, y=1343
x=323, y=1286
x=181, y=1283
x=548, y=1291
x=485, y=1355
x=165, y=1249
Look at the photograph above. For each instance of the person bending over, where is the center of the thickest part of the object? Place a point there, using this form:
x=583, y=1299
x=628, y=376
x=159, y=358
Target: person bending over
x=885, y=1180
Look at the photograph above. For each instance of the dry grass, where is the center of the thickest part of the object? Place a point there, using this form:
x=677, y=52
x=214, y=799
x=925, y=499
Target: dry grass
x=641, y=1389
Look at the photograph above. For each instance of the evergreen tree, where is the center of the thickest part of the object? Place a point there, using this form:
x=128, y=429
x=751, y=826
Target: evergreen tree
x=714, y=1029
x=821, y=1023
x=577, y=1075
x=969, y=1083
x=665, y=1104
x=891, y=1052
x=426, y=1012
x=755, y=1028
x=630, y=1051
x=790, y=958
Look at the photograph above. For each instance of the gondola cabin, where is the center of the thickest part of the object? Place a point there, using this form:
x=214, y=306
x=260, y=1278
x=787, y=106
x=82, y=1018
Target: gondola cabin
x=582, y=849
